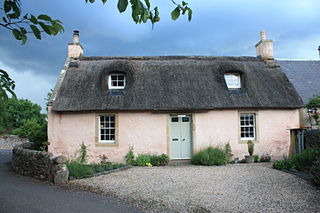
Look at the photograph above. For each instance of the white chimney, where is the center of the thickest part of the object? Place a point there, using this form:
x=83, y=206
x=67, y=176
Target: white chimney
x=264, y=48
x=75, y=50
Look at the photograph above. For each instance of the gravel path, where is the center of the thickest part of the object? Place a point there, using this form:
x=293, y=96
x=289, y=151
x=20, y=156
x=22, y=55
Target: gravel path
x=231, y=188
x=8, y=142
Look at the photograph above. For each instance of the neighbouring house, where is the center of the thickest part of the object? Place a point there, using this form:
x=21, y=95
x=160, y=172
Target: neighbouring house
x=305, y=77
x=176, y=105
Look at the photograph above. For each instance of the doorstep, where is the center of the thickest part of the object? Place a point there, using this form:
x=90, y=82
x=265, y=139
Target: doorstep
x=179, y=162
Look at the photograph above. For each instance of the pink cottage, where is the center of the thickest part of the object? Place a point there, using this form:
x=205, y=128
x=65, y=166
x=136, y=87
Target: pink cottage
x=176, y=105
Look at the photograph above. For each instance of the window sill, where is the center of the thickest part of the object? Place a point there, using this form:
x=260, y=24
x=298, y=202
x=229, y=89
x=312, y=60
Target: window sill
x=101, y=144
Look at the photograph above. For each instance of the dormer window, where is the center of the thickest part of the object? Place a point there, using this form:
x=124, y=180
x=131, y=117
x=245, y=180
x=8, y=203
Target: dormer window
x=116, y=81
x=232, y=80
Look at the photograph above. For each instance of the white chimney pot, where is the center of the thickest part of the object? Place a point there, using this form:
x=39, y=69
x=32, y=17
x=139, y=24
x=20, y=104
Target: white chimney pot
x=263, y=35
x=75, y=50
x=264, y=48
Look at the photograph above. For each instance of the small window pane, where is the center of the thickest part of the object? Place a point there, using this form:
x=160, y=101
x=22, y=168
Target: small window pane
x=185, y=119
x=232, y=81
x=174, y=119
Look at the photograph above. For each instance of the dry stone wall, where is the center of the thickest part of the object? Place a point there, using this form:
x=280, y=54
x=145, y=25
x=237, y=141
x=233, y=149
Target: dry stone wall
x=38, y=164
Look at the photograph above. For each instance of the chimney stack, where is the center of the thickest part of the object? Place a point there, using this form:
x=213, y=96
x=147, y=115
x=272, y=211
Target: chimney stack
x=75, y=50
x=264, y=48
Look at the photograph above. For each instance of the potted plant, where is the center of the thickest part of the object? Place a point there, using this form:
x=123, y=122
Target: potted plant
x=250, y=158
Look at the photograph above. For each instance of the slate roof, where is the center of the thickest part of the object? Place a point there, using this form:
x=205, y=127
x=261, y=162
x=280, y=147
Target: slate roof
x=173, y=83
x=304, y=75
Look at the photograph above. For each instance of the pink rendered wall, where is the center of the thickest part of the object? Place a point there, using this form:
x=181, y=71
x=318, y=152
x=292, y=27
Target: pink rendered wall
x=148, y=133
x=220, y=127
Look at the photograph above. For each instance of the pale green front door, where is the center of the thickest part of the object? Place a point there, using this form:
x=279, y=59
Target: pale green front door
x=181, y=138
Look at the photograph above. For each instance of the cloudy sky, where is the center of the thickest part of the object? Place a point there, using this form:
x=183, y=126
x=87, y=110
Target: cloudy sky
x=218, y=28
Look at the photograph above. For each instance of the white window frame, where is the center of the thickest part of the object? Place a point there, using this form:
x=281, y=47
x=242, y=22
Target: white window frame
x=254, y=126
x=233, y=86
x=107, y=127
x=117, y=75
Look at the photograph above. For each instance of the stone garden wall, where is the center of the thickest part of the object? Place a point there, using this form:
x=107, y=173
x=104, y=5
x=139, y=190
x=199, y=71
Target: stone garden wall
x=313, y=138
x=38, y=164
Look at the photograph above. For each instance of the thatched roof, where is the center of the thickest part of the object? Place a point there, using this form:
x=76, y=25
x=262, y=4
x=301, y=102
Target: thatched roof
x=173, y=83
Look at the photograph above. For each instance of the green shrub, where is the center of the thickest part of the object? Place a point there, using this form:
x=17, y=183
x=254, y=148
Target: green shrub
x=108, y=166
x=117, y=165
x=285, y=164
x=98, y=168
x=256, y=158
x=164, y=159
x=265, y=158
x=142, y=160
x=228, y=152
x=83, y=153
x=209, y=157
x=315, y=171
x=304, y=160
x=129, y=156
x=155, y=160
x=242, y=161
x=78, y=170
x=159, y=160
x=35, y=132
x=21, y=110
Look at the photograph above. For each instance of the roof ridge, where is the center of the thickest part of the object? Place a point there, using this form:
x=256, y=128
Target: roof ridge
x=172, y=57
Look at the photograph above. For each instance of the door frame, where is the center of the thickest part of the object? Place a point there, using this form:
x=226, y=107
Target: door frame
x=192, y=129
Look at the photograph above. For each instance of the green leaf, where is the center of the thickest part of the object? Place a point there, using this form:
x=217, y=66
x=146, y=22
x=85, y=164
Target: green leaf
x=104, y=1
x=135, y=10
x=7, y=6
x=145, y=16
x=12, y=16
x=16, y=9
x=23, y=31
x=4, y=19
x=36, y=31
x=156, y=12
x=33, y=19
x=184, y=3
x=175, y=13
x=122, y=5
x=58, y=21
x=23, y=39
x=147, y=3
x=44, y=17
x=16, y=33
x=46, y=28
x=189, y=14
x=92, y=1
x=57, y=27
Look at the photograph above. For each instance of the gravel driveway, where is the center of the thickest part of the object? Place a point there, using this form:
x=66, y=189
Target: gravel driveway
x=231, y=188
